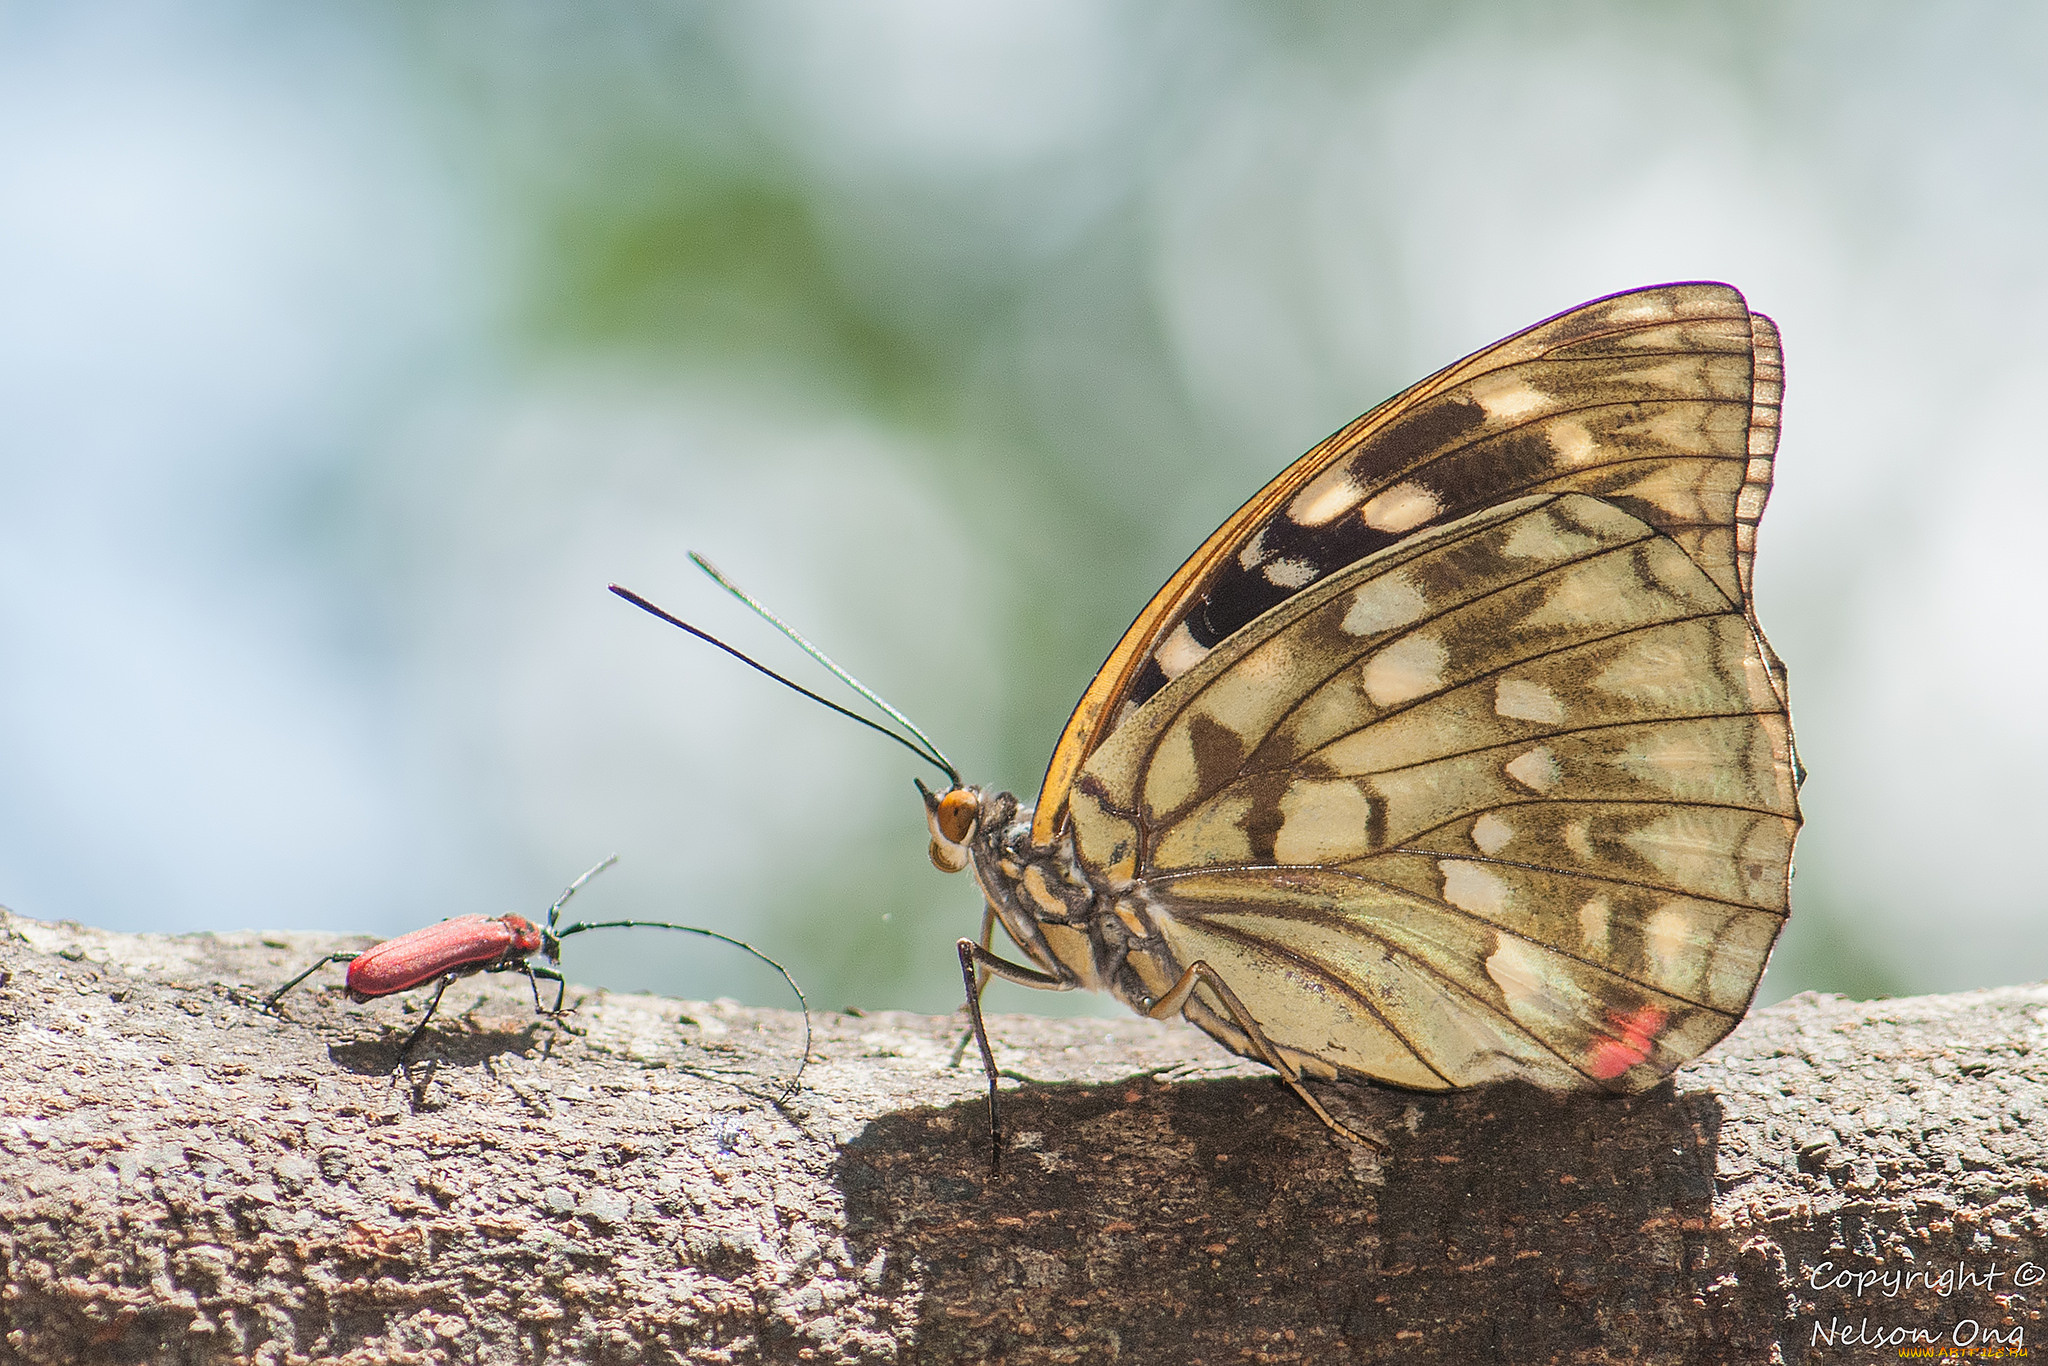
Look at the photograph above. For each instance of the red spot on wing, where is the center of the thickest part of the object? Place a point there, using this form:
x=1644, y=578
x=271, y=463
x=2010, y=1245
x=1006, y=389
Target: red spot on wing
x=1628, y=1045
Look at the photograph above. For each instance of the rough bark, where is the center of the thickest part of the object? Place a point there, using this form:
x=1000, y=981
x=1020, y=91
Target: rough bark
x=184, y=1178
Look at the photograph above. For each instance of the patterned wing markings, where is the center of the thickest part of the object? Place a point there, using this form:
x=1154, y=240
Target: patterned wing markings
x=1434, y=610
x=1651, y=939
x=1513, y=797
x=1378, y=982
x=1768, y=393
x=1547, y=617
x=1597, y=909
x=1307, y=691
x=1553, y=420
x=1663, y=401
x=1734, y=855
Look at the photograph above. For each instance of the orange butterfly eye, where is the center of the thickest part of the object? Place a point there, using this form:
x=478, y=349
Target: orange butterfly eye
x=952, y=818
x=957, y=811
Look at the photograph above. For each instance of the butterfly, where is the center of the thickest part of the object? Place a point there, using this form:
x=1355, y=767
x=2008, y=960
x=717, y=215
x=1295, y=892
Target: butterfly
x=1456, y=755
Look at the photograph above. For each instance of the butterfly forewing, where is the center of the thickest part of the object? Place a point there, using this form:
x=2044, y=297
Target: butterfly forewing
x=1661, y=401
x=1514, y=796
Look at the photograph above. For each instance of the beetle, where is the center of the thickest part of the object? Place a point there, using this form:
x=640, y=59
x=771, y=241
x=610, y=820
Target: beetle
x=468, y=944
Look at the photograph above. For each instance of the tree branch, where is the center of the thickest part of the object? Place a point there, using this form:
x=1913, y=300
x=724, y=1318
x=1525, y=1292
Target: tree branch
x=184, y=1178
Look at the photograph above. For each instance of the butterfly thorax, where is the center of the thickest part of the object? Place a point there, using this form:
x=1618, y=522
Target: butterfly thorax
x=1066, y=918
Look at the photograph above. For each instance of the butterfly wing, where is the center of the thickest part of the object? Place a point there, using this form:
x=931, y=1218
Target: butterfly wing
x=1514, y=796
x=1661, y=400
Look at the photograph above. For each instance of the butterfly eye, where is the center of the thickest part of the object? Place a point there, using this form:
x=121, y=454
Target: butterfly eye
x=952, y=817
x=957, y=811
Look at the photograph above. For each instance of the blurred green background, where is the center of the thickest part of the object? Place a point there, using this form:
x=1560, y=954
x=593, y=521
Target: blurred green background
x=346, y=352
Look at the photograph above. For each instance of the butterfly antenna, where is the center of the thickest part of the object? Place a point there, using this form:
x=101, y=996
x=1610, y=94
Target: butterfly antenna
x=931, y=750
x=927, y=752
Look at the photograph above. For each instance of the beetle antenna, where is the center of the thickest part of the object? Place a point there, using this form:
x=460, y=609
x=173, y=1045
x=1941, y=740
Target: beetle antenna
x=555, y=911
x=556, y=936
x=927, y=751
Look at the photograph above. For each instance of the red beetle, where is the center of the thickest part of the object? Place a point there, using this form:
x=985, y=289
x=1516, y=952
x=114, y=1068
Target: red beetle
x=504, y=943
x=467, y=943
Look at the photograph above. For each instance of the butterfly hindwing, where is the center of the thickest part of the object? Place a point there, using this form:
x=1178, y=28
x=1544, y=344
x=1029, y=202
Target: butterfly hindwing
x=1388, y=987
x=1512, y=796
x=1662, y=401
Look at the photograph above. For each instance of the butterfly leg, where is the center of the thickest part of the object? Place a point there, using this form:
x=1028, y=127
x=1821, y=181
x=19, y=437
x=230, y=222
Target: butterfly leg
x=988, y=944
x=988, y=939
x=974, y=962
x=270, y=1001
x=1201, y=974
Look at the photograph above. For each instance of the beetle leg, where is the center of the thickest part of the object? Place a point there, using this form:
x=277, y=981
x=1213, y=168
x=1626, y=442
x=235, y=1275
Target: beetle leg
x=270, y=1001
x=534, y=976
x=974, y=962
x=1202, y=974
x=432, y=1006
